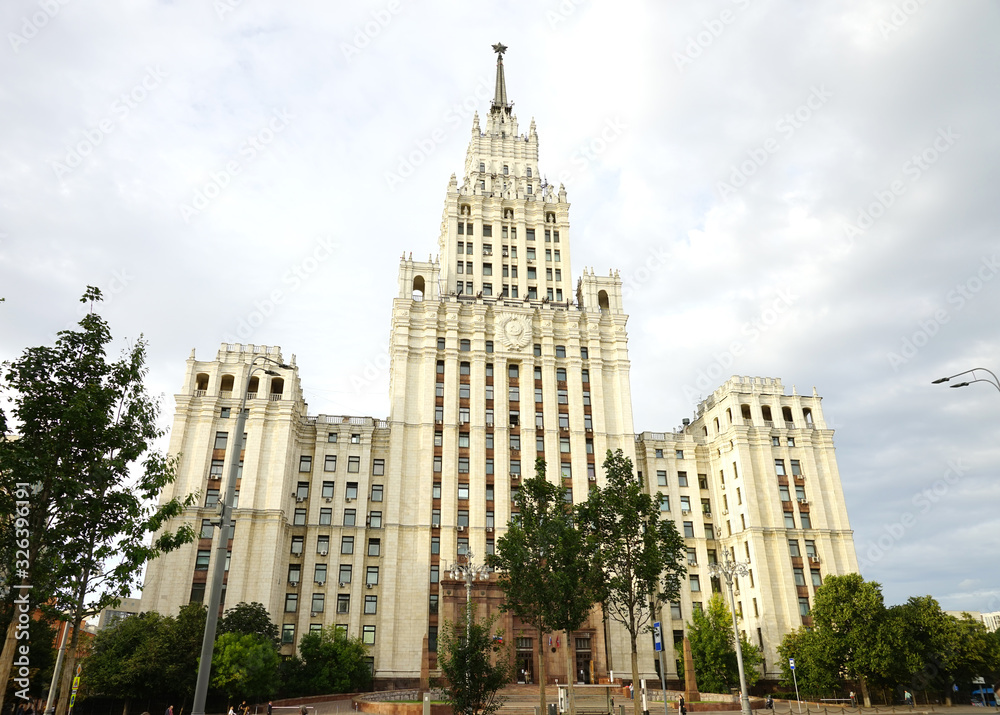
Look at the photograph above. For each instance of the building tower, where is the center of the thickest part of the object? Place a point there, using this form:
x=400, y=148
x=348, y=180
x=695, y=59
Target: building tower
x=497, y=361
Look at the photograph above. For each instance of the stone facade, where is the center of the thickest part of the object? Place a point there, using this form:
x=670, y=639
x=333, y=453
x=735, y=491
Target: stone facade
x=495, y=360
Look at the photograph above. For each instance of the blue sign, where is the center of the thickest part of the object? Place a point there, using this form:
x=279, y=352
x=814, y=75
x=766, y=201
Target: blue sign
x=657, y=637
x=791, y=663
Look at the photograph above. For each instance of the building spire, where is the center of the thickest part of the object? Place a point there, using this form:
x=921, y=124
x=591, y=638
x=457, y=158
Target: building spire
x=500, y=93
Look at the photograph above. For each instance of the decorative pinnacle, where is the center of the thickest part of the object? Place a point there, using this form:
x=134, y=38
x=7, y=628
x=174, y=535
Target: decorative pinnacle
x=500, y=93
x=499, y=48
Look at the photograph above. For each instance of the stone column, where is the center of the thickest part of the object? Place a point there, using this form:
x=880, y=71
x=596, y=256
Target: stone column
x=691, y=693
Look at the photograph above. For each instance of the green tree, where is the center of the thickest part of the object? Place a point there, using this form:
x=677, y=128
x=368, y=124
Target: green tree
x=640, y=554
x=329, y=662
x=546, y=566
x=852, y=630
x=245, y=666
x=123, y=661
x=713, y=646
x=249, y=618
x=181, y=648
x=475, y=662
x=81, y=465
x=815, y=673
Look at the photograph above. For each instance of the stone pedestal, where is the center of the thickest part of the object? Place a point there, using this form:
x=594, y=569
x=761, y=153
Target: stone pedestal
x=691, y=693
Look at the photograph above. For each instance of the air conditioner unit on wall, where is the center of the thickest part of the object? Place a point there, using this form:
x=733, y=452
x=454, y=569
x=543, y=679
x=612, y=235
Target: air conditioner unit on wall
x=323, y=552
x=489, y=529
x=343, y=584
x=370, y=585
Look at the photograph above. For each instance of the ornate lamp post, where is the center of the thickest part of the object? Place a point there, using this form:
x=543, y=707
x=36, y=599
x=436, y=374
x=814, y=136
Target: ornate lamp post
x=995, y=381
x=225, y=510
x=729, y=569
x=469, y=572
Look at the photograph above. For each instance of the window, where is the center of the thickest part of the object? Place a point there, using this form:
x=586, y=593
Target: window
x=355, y=439
x=463, y=490
x=377, y=489
x=564, y=445
x=375, y=520
x=490, y=547
x=323, y=545
x=688, y=529
x=791, y=441
x=489, y=519
x=695, y=583
x=810, y=548
x=378, y=469
x=800, y=579
x=435, y=545
x=435, y=517
x=319, y=574
x=488, y=228
x=305, y=463
x=463, y=545
x=796, y=469
x=330, y=465
x=432, y=604
x=803, y=606
x=489, y=492
x=215, y=470
x=291, y=602
x=368, y=635
x=800, y=492
x=487, y=269
x=371, y=576
x=562, y=397
x=816, y=580
x=793, y=548
x=345, y=573
x=354, y=464
x=515, y=466
x=779, y=467
x=513, y=394
x=299, y=518
x=318, y=602
x=789, y=520
x=371, y=605
x=343, y=603
x=566, y=470
x=560, y=351
x=463, y=517
x=682, y=479
x=220, y=440
x=804, y=518
x=464, y=345
x=287, y=633
x=783, y=492
x=347, y=544
x=438, y=439
x=709, y=531
x=352, y=491
x=675, y=611
x=463, y=465
x=664, y=502
x=437, y=464
x=211, y=497
x=297, y=543
x=350, y=517
x=436, y=490
x=661, y=477
x=512, y=370
x=201, y=561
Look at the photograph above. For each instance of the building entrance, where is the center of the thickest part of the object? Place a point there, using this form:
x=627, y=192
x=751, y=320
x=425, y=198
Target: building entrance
x=583, y=660
x=525, y=661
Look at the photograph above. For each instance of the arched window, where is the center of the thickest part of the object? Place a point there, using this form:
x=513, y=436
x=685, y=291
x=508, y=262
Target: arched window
x=277, y=387
x=227, y=384
x=765, y=412
x=602, y=300
x=729, y=415
x=201, y=382
x=807, y=413
x=716, y=425
x=418, y=288
x=786, y=414
x=529, y=172
x=482, y=166
x=745, y=409
x=253, y=386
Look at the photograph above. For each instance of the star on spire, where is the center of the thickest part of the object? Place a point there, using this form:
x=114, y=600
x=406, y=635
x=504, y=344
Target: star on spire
x=499, y=48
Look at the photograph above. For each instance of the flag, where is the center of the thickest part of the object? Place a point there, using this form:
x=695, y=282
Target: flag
x=550, y=641
x=557, y=641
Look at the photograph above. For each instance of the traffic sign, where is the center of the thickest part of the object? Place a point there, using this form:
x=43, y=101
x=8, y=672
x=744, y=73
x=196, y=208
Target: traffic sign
x=657, y=637
x=791, y=663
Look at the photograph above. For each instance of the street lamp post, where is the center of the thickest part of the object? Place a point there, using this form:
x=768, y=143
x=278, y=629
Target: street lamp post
x=219, y=567
x=469, y=573
x=995, y=381
x=729, y=569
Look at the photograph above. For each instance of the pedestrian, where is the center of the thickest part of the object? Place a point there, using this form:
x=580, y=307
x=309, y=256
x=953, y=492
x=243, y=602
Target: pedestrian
x=304, y=710
x=631, y=692
x=231, y=711
x=769, y=703
x=854, y=701
x=681, y=706
x=269, y=707
x=170, y=710
x=908, y=698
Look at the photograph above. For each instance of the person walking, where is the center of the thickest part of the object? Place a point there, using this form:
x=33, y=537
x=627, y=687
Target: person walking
x=681, y=706
x=269, y=707
x=170, y=710
x=908, y=698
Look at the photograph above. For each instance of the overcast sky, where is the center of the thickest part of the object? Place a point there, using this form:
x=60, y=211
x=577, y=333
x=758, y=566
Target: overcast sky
x=798, y=190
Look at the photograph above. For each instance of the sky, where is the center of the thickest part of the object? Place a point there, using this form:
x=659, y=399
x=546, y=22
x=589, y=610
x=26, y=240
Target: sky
x=796, y=190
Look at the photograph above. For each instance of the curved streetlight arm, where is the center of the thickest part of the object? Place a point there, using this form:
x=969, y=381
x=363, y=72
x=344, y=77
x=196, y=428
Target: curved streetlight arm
x=219, y=567
x=969, y=382
x=995, y=382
